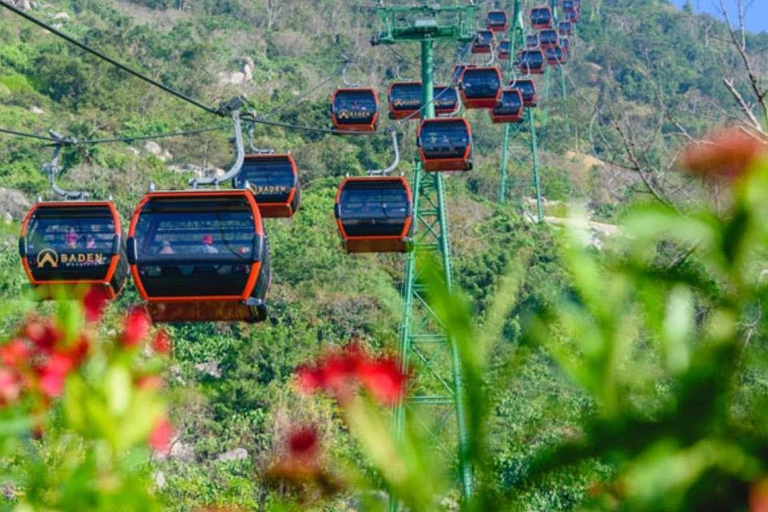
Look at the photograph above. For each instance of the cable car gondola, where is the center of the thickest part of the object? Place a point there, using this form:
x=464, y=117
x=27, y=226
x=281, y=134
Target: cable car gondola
x=404, y=100
x=480, y=87
x=548, y=39
x=565, y=44
x=569, y=6
x=445, y=144
x=556, y=56
x=375, y=214
x=497, y=21
x=355, y=109
x=565, y=28
x=510, y=107
x=531, y=62
x=541, y=18
x=200, y=255
x=573, y=16
x=274, y=181
x=483, y=42
x=531, y=41
x=70, y=243
x=446, y=100
x=458, y=72
x=503, y=51
x=527, y=88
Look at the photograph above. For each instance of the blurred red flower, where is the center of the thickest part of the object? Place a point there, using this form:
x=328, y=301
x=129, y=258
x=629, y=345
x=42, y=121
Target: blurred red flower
x=54, y=372
x=14, y=353
x=303, y=442
x=161, y=435
x=135, y=327
x=44, y=335
x=94, y=302
x=10, y=387
x=723, y=155
x=383, y=379
x=161, y=343
x=758, y=496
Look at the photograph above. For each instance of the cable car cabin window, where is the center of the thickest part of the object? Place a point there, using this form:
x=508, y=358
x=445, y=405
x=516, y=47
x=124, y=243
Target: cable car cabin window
x=568, y=6
x=555, y=56
x=373, y=209
x=483, y=42
x=547, y=38
x=531, y=61
x=445, y=99
x=510, y=104
x=565, y=28
x=444, y=140
x=194, y=248
x=532, y=41
x=497, y=20
x=541, y=17
x=503, y=52
x=481, y=83
x=528, y=91
x=270, y=179
x=354, y=107
x=405, y=97
x=63, y=244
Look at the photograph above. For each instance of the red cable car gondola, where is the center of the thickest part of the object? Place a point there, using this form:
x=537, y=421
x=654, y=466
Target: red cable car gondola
x=274, y=181
x=541, y=18
x=446, y=100
x=510, y=107
x=569, y=6
x=404, y=100
x=73, y=243
x=565, y=28
x=355, y=109
x=480, y=87
x=200, y=255
x=531, y=41
x=531, y=62
x=497, y=21
x=548, y=39
x=556, y=56
x=503, y=51
x=483, y=42
x=527, y=88
x=445, y=144
x=375, y=214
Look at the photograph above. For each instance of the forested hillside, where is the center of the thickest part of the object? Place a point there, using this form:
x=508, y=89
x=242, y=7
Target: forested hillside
x=643, y=81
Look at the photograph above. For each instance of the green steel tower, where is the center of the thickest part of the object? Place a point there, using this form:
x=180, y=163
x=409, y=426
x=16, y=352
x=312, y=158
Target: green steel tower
x=423, y=342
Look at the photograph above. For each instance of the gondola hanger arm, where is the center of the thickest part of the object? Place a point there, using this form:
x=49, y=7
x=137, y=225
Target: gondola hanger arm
x=239, y=159
x=388, y=170
x=52, y=168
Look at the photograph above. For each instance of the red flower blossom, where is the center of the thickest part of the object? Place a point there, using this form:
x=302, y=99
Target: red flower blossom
x=303, y=442
x=161, y=435
x=54, y=372
x=10, y=387
x=44, y=336
x=383, y=379
x=135, y=328
x=94, y=302
x=161, y=343
x=14, y=354
x=758, y=496
x=150, y=382
x=310, y=379
x=727, y=154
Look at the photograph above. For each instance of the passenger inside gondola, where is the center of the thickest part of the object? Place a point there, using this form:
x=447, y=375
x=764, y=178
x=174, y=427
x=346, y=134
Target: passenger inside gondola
x=448, y=140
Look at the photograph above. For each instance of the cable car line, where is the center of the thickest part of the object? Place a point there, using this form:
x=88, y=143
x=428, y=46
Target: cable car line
x=127, y=140
x=107, y=58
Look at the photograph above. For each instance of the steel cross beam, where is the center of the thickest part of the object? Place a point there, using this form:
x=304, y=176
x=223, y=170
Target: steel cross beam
x=422, y=338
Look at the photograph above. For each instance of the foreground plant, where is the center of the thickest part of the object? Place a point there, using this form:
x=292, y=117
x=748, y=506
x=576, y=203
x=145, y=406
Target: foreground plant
x=79, y=417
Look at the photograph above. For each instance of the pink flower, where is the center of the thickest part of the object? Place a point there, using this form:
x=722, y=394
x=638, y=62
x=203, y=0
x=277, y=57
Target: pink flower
x=724, y=155
x=94, y=302
x=54, y=372
x=758, y=496
x=10, y=387
x=135, y=328
x=44, y=336
x=383, y=379
x=14, y=354
x=150, y=382
x=161, y=343
x=161, y=435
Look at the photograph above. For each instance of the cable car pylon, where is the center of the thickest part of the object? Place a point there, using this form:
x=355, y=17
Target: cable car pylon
x=417, y=337
x=517, y=40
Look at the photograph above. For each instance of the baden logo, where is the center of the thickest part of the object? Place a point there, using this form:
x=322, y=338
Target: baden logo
x=47, y=257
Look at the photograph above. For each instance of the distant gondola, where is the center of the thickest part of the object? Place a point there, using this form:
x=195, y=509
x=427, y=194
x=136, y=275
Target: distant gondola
x=497, y=21
x=355, y=109
x=483, y=42
x=510, y=107
x=404, y=100
x=274, y=181
x=556, y=56
x=565, y=44
x=200, y=255
x=375, y=214
x=541, y=18
x=565, y=28
x=445, y=144
x=531, y=62
x=531, y=40
x=502, y=53
x=548, y=39
x=480, y=87
x=73, y=243
x=527, y=88
x=446, y=100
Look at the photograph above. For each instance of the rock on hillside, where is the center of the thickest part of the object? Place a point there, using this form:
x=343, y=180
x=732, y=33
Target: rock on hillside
x=13, y=204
